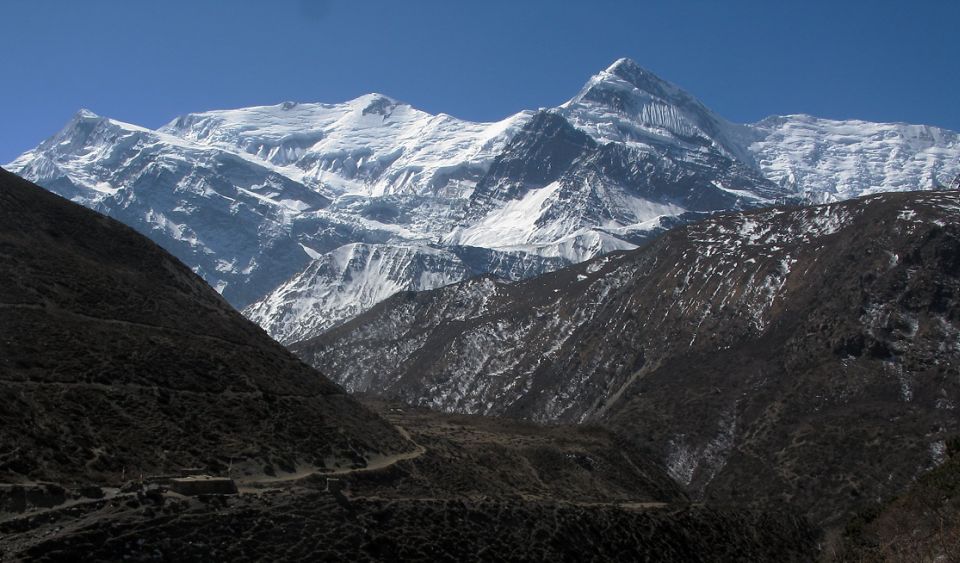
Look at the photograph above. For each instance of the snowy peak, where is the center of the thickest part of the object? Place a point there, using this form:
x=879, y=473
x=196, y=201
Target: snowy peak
x=289, y=120
x=628, y=104
x=371, y=145
x=378, y=104
x=645, y=81
x=624, y=85
x=85, y=129
x=76, y=161
x=84, y=113
x=623, y=61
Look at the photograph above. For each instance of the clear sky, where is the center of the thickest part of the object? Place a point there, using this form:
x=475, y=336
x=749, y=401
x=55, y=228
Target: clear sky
x=148, y=61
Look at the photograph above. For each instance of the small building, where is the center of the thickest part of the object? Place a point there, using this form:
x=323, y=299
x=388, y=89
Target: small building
x=203, y=485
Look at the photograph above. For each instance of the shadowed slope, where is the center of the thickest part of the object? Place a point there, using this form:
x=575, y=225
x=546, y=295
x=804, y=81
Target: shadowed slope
x=115, y=357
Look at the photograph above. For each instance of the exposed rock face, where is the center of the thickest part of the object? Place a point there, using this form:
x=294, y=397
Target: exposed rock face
x=116, y=359
x=809, y=355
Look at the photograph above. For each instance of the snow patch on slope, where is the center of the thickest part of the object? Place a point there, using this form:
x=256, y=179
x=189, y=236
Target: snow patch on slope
x=341, y=284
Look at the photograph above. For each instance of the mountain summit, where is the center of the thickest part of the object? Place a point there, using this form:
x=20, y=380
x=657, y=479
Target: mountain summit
x=627, y=103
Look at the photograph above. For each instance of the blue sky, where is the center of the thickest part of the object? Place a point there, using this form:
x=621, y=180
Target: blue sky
x=147, y=62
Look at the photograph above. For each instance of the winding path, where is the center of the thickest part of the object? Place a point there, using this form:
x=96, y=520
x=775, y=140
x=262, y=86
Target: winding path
x=377, y=464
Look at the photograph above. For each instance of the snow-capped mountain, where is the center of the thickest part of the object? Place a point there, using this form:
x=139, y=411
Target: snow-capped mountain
x=226, y=215
x=630, y=105
x=261, y=201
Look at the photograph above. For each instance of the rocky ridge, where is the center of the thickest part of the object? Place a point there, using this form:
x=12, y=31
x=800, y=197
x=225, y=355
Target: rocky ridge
x=816, y=343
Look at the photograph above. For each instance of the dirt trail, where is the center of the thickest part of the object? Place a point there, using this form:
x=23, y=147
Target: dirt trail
x=374, y=464
x=623, y=505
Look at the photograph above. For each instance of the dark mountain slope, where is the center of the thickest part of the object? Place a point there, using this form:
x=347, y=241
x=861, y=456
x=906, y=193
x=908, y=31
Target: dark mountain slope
x=483, y=489
x=922, y=524
x=309, y=526
x=807, y=355
x=844, y=392
x=115, y=357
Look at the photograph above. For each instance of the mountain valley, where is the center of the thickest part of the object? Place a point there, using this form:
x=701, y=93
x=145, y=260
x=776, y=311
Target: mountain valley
x=621, y=328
